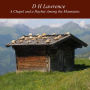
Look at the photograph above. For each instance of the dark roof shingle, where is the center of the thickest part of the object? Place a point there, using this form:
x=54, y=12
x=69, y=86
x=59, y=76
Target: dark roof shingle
x=40, y=39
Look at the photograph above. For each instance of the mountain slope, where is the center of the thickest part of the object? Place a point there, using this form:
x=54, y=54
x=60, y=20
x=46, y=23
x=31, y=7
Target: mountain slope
x=7, y=55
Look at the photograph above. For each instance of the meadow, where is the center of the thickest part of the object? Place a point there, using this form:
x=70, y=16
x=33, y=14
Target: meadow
x=79, y=79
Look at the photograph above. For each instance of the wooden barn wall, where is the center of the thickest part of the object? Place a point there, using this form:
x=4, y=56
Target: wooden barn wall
x=63, y=59
x=45, y=58
x=32, y=59
x=40, y=63
x=23, y=51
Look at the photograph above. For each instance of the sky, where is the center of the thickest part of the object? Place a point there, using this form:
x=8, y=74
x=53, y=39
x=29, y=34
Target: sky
x=33, y=23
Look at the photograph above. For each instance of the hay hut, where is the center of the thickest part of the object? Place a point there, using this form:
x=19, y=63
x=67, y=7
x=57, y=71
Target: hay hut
x=46, y=52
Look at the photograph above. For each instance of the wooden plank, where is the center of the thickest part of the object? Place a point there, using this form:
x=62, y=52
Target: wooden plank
x=38, y=60
x=33, y=63
x=32, y=58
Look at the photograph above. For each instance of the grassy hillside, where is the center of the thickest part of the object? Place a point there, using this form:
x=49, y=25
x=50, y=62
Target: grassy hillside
x=75, y=80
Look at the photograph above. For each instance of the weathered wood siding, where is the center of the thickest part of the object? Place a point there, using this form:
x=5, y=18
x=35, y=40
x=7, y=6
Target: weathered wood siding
x=59, y=58
x=40, y=63
x=68, y=58
x=32, y=58
x=63, y=59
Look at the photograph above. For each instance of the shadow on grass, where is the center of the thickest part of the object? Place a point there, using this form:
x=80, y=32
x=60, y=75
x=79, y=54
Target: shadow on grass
x=78, y=67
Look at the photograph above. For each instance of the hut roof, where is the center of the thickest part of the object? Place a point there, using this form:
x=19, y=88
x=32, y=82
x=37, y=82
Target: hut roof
x=44, y=39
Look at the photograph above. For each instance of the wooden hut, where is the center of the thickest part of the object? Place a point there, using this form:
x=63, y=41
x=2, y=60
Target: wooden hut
x=46, y=52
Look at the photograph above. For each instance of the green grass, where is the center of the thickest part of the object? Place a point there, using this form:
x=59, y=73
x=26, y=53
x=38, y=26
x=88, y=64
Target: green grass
x=75, y=80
